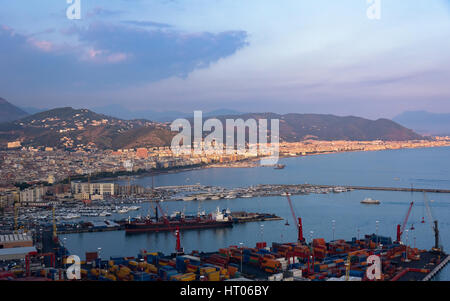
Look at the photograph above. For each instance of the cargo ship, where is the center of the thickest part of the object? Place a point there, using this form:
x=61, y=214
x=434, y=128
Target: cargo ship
x=178, y=221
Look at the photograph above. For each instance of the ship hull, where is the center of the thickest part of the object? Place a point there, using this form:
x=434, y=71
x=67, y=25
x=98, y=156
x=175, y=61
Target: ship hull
x=159, y=227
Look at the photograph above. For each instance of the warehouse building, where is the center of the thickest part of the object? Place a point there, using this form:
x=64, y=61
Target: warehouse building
x=15, y=246
x=15, y=241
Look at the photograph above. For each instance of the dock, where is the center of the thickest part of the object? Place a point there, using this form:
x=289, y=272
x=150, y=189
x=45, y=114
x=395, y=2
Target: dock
x=244, y=217
x=437, y=269
x=92, y=229
x=404, y=189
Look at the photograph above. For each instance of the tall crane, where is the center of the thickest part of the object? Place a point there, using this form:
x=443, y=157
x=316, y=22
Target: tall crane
x=434, y=225
x=16, y=217
x=55, y=234
x=298, y=221
x=401, y=228
x=178, y=247
x=348, y=265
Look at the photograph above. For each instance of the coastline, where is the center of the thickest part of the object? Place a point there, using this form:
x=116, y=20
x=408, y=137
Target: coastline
x=247, y=163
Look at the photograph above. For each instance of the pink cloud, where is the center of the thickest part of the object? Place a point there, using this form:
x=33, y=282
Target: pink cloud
x=44, y=45
x=117, y=57
x=101, y=56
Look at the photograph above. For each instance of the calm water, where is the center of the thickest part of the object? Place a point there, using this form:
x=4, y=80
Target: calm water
x=420, y=167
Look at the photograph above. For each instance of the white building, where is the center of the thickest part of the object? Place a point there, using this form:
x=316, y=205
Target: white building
x=31, y=195
x=102, y=189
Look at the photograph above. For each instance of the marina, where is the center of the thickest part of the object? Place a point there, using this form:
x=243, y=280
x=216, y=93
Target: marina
x=329, y=211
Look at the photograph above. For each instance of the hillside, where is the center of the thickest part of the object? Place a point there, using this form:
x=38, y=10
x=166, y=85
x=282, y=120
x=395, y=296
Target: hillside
x=297, y=127
x=9, y=112
x=75, y=129
x=425, y=122
x=83, y=129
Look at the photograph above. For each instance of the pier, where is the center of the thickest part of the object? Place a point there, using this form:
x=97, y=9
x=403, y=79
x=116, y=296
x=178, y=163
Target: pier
x=437, y=269
x=404, y=189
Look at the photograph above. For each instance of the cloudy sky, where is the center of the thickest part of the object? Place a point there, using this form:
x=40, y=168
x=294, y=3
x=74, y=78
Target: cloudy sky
x=315, y=56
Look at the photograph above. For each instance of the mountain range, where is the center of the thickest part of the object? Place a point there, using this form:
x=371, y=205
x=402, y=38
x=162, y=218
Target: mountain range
x=77, y=128
x=297, y=127
x=9, y=112
x=71, y=128
x=425, y=123
x=119, y=111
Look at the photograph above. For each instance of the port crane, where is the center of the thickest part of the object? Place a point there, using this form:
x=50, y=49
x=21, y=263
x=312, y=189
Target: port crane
x=178, y=247
x=298, y=221
x=348, y=265
x=55, y=234
x=434, y=225
x=401, y=228
x=16, y=217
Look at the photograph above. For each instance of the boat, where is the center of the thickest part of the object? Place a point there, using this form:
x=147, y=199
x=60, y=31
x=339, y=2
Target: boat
x=188, y=198
x=72, y=216
x=370, y=201
x=247, y=195
x=123, y=210
x=218, y=219
x=280, y=166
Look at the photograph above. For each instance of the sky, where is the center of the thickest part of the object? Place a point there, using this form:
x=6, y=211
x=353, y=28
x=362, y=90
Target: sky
x=284, y=56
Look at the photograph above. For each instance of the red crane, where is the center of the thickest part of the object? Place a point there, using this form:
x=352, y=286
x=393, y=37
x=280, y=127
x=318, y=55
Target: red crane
x=178, y=247
x=298, y=222
x=35, y=254
x=401, y=228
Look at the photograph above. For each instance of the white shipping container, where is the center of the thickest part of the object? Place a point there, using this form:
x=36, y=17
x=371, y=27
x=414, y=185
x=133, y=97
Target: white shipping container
x=295, y=273
x=278, y=277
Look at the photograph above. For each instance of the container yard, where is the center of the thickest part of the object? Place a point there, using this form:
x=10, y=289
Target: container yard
x=337, y=260
x=372, y=258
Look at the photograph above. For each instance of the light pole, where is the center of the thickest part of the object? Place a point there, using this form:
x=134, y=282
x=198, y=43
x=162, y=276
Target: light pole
x=334, y=226
x=142, y=269
x=406, y=251
x=377, y=222
x=64, y=248
x=241, y=243
x=358, y=232
x=100, y=258
x=312, y=250
x=42, y=240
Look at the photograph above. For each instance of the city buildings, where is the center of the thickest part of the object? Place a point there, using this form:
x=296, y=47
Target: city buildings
x=94, y=189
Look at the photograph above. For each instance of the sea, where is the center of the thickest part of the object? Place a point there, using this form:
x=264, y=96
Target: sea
x=329, y=216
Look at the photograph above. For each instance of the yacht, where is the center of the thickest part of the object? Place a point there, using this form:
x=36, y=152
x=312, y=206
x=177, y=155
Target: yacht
x=370, y=201
x=123, y=210
x=72, y=216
